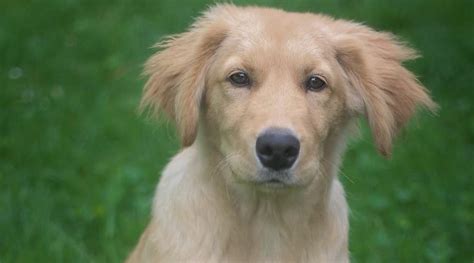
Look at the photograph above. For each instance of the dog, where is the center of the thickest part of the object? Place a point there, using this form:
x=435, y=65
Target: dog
x=264, y=101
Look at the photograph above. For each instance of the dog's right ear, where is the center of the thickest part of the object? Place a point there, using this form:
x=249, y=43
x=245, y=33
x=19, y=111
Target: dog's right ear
x=177, y=73
x=373, y=63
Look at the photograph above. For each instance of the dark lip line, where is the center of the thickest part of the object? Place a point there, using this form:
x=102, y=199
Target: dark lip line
x=272, y=181
x=268, y=182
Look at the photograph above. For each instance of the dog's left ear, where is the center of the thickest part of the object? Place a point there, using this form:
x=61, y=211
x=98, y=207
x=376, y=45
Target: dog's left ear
x=372, y=62
x=177, y=73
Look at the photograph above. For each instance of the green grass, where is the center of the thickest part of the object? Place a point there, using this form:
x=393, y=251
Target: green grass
x=78, y=166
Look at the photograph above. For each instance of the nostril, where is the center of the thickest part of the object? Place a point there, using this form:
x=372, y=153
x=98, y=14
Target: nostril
x=266, y=150
x=290, y=152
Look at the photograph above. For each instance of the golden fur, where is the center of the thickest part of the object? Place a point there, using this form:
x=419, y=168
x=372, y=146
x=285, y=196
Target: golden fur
x=208, y=206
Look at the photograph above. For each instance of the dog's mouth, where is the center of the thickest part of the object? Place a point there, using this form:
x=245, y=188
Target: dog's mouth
x=273, y=184
x=275, y=180
x=266, y=180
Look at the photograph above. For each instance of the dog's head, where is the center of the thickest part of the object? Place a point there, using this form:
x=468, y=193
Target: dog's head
x=274, y=93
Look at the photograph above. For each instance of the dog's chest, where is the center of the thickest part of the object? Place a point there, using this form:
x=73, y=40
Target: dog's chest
x=262, y=240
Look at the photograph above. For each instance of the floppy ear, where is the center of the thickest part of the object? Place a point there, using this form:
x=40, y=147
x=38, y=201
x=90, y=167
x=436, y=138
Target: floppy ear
x=390, y=93
x=177, y=73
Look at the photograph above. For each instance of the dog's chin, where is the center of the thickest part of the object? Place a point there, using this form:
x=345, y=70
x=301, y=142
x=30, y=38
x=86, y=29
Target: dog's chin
x=267, y=181
x=273, y=181
x=273, y=186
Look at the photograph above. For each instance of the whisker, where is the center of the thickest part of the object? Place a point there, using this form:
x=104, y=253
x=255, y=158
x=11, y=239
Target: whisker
x=339, y=171
x=221, y=165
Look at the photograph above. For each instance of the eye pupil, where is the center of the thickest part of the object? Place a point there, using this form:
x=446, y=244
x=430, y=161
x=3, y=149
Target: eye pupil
x=315, y=83
x=239, y=79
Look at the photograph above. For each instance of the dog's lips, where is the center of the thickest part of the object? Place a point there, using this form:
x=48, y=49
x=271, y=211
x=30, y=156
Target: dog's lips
x=266, y=179
x=272, y=182
x=275, y=182
x=275, y=186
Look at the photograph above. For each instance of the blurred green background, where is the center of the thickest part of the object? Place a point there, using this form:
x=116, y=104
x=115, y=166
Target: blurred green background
x=78, y=165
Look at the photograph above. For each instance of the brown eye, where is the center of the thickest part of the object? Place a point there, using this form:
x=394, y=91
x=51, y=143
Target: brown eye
x=315, y=83
x=239, y=79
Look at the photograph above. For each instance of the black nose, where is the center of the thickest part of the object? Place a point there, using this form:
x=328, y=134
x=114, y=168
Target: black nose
x=277, y=148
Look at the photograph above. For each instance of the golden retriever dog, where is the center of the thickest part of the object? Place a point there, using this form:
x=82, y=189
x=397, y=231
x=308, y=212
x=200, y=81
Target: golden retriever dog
x=264, y=101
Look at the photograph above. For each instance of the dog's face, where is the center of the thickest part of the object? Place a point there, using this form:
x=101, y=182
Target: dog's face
x=273, y=97
x=274, y=92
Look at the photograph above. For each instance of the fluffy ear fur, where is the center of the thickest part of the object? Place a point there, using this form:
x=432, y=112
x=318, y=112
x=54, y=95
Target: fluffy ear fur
x=177, y=73
x=390, y=93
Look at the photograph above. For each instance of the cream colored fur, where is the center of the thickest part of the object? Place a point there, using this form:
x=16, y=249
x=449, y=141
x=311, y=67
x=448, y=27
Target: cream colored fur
x=208, y=205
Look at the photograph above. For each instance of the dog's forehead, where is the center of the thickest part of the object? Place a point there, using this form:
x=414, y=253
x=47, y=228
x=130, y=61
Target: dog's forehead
x=291, y=34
